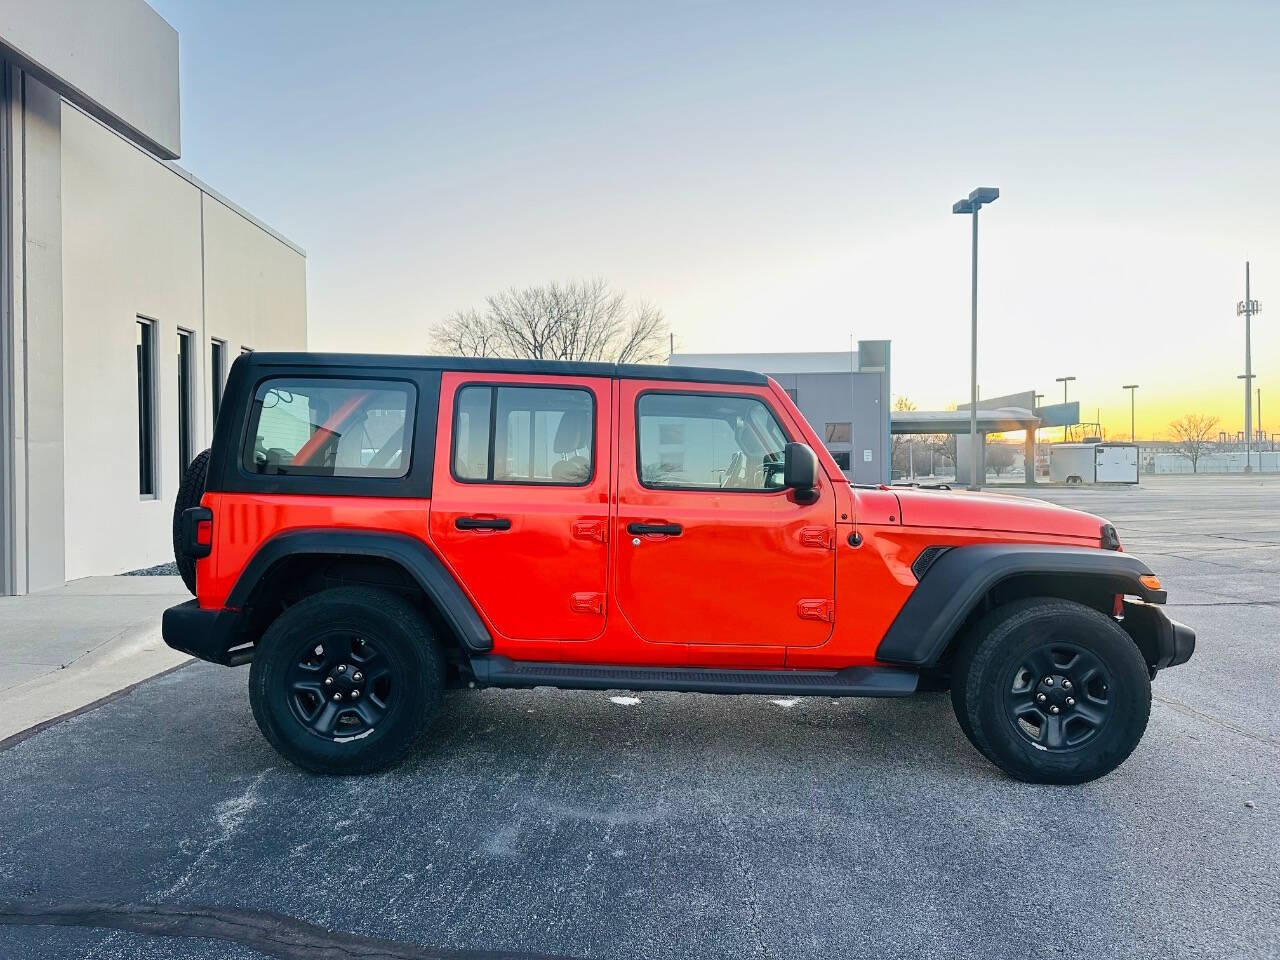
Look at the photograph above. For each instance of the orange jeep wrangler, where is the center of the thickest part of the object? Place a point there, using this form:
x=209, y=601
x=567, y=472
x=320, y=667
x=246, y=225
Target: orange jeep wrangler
x=370, y=531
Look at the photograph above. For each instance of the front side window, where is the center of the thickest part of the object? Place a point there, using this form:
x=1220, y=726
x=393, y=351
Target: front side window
x=709, y=441
x=330, y=428
x=523, y=435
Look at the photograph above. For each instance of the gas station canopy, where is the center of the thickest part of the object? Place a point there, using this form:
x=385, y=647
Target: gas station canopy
x=1002, y=420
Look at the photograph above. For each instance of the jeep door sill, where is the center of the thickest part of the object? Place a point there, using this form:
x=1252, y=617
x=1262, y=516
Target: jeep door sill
x=849, y=682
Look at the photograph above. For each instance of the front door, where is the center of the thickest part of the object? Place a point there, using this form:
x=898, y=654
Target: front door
x=711, y=550
x=520, y=505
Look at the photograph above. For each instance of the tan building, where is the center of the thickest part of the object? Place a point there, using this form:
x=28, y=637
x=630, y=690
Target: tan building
x=127, y=287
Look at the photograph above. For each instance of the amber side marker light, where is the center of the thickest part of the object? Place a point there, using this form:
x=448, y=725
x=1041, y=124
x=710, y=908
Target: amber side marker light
x=1150, y=582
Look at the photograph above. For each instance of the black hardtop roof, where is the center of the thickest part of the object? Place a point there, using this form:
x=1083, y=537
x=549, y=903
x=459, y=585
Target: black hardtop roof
x=568, y=368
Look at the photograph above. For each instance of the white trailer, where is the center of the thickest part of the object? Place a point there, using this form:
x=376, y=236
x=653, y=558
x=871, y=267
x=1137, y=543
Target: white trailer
x=1116, y=463
x=1093, y=463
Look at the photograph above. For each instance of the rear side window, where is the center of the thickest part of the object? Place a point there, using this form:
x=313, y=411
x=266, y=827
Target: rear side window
x=523, y=435
x=330, y=428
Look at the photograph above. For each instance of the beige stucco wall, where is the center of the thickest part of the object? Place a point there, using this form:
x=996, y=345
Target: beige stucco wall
x=255, y=286
x=139, y=239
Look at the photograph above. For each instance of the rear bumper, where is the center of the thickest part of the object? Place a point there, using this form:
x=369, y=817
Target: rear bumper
x=206, y=634
x=1164, y=642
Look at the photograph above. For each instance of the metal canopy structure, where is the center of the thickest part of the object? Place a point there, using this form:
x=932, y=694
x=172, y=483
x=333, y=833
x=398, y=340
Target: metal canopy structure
x=1002, y=420
x=1017, y=412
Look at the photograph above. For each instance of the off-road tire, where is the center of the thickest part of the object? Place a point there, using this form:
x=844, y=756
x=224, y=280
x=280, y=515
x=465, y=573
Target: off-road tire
x=189, y=493
x=988, y=668
x=387, y=622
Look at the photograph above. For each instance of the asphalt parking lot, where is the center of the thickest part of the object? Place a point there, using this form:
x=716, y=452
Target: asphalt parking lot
x=552, y=823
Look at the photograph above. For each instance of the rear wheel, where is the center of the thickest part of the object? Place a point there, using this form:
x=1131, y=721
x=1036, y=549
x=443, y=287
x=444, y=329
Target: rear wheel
x=1051, y=691
x=346, y=680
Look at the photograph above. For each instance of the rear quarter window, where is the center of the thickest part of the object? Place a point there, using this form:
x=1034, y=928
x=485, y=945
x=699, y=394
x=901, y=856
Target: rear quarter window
x=330, y=427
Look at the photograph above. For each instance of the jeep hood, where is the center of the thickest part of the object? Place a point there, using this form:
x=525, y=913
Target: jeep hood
x=993, y=512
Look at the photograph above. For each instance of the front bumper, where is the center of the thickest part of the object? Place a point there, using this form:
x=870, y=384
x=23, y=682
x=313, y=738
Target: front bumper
x=1164, y=642
x=206, y=634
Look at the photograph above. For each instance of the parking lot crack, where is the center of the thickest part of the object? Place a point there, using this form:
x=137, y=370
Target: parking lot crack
x=1217, y=721
x=272, y=934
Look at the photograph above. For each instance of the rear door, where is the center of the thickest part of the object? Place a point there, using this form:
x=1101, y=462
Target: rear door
x=520, y=499
x=711, y=550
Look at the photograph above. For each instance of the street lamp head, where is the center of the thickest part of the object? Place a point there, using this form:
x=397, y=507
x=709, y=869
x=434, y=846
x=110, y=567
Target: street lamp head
x=1130, y=386
x=976, y=200
x=1064, y=379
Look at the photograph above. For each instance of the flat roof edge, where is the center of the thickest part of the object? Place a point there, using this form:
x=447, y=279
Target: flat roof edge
x=231, y=205
x=192, y=179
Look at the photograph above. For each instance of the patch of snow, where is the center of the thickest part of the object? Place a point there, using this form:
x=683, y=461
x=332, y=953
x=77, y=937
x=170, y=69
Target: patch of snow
x=788, y=704
x=625, y=701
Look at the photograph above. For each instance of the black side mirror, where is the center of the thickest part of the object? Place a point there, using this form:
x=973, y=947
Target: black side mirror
x=800, y=472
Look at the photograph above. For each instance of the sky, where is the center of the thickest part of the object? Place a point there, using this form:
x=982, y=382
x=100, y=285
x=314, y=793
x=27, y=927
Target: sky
x=777, y=176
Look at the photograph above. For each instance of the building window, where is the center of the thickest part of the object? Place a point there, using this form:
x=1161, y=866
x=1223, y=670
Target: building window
x=842, y=458
x=708, y=442
x=217, y=372
x=523, y=435
x=840, y=432
x=146, y=354
x=186, y=396
x=330, y=428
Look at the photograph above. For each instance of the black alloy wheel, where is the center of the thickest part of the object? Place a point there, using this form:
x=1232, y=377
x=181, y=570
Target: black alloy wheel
x=340, y=685
x=345, y=680
x=1059, y=696
x=1051, y=690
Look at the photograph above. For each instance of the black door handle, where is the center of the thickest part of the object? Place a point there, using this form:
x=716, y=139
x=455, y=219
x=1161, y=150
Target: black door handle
x=666, y=529
x=478, y=523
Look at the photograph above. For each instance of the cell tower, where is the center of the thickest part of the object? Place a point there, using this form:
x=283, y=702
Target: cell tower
x=1247, y=308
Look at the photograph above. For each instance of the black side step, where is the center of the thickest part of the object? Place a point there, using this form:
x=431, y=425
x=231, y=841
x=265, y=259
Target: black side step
x=849, y=682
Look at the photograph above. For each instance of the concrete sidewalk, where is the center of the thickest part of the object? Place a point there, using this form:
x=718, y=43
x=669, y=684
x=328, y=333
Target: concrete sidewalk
x=65, y=648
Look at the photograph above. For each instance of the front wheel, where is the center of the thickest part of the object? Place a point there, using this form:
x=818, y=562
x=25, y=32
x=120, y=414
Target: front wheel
x=1051, y=691
x=345, y=680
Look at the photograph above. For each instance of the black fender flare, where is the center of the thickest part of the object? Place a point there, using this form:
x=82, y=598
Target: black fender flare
x=955, y=583
x=410, y=553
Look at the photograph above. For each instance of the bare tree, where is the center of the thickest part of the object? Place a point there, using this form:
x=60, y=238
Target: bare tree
x=466, y=333
x=902, y=446
x=1191, y=436
x=944, y=445
x=573, y=321
x=1000, y=457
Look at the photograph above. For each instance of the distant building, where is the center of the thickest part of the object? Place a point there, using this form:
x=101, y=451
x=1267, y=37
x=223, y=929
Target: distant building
x=127, y=287
x=845, y=396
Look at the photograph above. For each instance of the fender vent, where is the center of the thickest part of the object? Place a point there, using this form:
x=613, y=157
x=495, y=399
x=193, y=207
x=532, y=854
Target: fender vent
x=923, y=562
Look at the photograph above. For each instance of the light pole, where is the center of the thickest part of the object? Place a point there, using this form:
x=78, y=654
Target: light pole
x=1247, y=308
x=1035, y=402
x=1064, y=381
x=1131, y=387
x=976, y=200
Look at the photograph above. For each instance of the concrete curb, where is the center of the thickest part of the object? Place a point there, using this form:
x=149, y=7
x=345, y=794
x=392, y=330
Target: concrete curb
x=110, y=669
